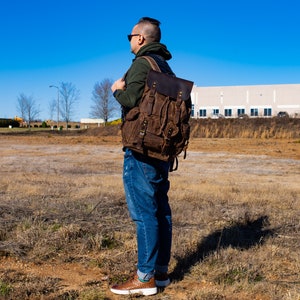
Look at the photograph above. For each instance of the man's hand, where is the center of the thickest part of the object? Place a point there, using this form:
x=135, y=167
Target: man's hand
x=118, y=85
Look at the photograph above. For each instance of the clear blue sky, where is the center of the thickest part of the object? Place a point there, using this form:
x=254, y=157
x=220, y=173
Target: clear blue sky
x=213, y=43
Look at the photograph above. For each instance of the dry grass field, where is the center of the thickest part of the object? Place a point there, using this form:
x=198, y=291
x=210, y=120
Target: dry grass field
x=65, y=232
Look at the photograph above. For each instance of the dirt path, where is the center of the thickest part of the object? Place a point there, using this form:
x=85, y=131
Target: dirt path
x=281, y=148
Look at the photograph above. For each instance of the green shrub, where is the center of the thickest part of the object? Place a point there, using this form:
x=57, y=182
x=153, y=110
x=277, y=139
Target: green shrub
x=44, y=125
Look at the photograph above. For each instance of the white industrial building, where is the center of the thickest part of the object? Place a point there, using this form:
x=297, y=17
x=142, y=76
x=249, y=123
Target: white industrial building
x=89, y=122
x=250, y=100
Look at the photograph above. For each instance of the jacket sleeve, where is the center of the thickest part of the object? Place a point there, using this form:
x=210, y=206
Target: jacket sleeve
x=135, y=80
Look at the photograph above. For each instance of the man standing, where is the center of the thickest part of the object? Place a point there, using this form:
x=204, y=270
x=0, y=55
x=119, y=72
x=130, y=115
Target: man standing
x=145, y=179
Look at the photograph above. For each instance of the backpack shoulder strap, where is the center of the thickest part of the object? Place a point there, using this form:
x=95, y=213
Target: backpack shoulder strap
x=152, y=63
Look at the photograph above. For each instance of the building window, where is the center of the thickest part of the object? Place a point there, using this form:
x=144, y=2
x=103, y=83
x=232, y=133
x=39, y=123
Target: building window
x=193, y=111
x=202, y=112
x=228, y=112
x=254, y=112
x=240, y=111
x=215, y=111
x=268, y=112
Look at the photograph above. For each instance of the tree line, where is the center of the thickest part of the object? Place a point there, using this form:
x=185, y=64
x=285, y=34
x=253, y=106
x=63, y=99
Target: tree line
x=103, y=103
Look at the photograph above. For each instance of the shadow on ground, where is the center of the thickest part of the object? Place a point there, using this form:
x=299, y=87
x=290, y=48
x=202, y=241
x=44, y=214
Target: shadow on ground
x=240, y=235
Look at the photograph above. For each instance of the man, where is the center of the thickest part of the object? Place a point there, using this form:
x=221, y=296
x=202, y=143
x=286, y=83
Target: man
x=145, y=179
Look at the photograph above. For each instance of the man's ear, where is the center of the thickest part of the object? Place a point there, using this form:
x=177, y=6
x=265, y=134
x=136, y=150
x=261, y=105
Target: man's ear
x=141, y=40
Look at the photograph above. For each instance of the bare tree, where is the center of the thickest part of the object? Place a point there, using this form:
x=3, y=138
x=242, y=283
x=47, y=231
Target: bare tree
x=21, y=105
x=52, y=108
x=28, y=108
x=104, y=103
x=69, y=97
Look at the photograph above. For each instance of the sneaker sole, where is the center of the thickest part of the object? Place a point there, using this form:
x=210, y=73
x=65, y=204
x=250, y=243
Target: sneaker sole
x=144, y=292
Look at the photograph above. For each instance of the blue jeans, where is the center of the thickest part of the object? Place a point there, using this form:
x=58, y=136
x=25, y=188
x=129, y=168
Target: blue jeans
x=146, y=187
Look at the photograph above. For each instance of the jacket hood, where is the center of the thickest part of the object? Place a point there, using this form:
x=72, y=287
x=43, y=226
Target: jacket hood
x=155, y=48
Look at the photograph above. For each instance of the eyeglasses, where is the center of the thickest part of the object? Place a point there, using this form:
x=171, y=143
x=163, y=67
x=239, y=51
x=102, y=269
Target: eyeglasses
x=129, y=36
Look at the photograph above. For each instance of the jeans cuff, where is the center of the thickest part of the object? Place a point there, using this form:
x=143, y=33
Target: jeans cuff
x=145, y=276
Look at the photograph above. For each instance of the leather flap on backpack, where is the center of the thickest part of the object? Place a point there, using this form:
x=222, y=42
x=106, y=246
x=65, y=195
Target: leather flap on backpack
x=169, y=85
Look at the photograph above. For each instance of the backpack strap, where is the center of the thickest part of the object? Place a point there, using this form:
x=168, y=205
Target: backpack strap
x=173, y=164
x=152, y=63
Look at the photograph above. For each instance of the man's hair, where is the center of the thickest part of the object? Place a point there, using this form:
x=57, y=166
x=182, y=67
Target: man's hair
x=150, y=28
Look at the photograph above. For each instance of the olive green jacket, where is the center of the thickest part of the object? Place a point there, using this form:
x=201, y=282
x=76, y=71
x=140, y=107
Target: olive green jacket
x=135, y=78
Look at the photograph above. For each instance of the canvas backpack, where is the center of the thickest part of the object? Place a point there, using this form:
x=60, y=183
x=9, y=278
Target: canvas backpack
x=159, y=126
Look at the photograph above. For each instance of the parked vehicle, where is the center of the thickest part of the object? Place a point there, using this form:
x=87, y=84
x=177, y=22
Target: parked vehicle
x=243, y=116
x=217, y=116
x=283, y=114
